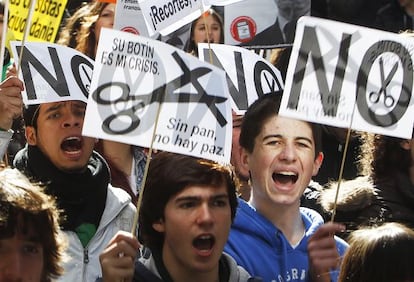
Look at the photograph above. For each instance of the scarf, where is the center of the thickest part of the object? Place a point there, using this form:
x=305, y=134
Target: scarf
x=81, y=196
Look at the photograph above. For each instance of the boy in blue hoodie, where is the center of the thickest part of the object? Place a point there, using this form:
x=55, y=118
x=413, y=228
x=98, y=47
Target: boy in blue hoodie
x=272, y=236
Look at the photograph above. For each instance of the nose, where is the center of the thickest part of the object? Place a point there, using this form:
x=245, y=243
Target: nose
x=72, y=119
x=288, y=153
x=204, y=216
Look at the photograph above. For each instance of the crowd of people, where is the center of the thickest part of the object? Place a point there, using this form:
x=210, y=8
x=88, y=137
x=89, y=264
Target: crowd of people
x=68, y=202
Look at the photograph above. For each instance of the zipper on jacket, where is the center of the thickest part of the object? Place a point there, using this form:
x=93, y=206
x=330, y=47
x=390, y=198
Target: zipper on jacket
x=85, y=256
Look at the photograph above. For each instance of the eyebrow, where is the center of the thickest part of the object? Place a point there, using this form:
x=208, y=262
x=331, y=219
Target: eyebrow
x=53, y=108
x=197, y=198
x=281, y=137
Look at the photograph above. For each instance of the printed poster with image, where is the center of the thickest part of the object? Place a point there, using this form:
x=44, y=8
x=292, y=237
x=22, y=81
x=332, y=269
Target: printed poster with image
x=265, y=24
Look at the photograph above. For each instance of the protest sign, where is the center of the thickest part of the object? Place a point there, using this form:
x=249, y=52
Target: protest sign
x=249, y=76
x=129, y=18
x=350, y=76
x=220, y=2
x=137, y=80
x=166, y=16
x=52, y=72
x=45, y=23
x=266, y=24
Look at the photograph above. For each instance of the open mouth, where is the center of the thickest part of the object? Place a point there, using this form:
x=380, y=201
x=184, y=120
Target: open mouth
x=71, y=144
x=204, y=242
x=285, y=177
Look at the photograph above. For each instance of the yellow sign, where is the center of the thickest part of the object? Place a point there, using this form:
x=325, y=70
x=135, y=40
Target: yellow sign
x=45, y=21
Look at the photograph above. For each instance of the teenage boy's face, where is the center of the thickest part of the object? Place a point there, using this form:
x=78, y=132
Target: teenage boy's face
x=58, y=135
x=21, y=259
x=196, y=225
x=282, y=162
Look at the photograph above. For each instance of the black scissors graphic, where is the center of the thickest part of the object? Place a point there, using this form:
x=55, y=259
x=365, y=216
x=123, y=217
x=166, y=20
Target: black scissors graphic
x=375, y=96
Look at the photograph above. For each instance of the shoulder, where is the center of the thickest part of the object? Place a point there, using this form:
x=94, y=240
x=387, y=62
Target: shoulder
x=341, y=245
x=237, y=272
x=145, y=270
x=119, y=206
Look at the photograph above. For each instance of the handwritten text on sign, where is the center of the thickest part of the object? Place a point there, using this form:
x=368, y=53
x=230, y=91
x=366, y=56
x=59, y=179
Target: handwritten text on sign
x=134, y=76
x=336, y=66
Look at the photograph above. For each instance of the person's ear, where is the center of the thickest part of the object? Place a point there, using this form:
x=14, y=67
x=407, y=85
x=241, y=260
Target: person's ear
x=406, y=144
x=159, y=226
x=317, y=163
x=244, y=157
x=30, y=134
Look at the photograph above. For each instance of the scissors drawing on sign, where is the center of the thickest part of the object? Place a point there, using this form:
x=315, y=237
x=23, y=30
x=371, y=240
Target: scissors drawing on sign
x=375, y=96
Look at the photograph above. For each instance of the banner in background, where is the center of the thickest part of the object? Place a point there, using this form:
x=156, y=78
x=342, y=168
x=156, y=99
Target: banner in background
x=45, y=22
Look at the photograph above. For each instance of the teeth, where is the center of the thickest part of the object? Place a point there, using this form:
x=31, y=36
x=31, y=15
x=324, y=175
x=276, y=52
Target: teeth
x=287, y=173
x=72, y=138
x=205, y=237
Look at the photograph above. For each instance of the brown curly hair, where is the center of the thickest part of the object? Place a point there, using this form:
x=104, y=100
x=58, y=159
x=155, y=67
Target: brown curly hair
x=86, y=38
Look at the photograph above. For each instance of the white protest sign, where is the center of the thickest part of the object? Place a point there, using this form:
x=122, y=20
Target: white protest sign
x=335, y=67
x=129, y=18
x=249, y=76
x=221, y=2
x=134, y=75
x=52, y=72
x=166, y=16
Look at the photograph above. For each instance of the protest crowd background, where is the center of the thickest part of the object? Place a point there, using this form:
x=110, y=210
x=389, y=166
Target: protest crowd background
x=243, y=182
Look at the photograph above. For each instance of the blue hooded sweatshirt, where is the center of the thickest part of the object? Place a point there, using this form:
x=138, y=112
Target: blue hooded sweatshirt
x=262, y=249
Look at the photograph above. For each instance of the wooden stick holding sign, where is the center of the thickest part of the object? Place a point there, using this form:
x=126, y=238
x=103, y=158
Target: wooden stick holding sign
x=4, y=33
x=144, y=178
x=26, y=31
x=341, y=169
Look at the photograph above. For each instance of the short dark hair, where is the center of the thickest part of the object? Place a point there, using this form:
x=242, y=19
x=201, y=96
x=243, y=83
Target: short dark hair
x=259, y=112
x=30, y=115
x=169, y=174
x=24, y=208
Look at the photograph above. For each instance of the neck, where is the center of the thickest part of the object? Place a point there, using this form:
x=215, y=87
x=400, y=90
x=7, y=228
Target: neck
x=286, y=218
x=120, y=154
